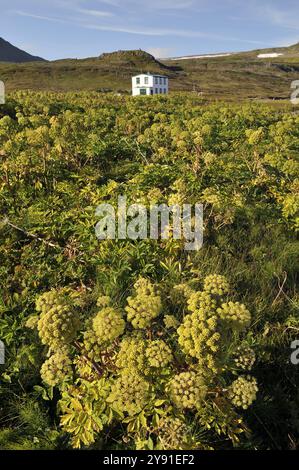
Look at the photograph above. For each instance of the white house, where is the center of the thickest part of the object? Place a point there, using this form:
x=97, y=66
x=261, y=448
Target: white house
x=148, y=84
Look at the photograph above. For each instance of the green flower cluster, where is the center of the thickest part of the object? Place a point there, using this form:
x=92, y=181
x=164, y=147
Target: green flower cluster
x=53, y=297
x=170, y=322
x=108, y=325
x=47, y=300
x=199, y=338
x=91, y=345
x=57, y=326
x=216, y=284
x=244, y=358
x=180, y=292
x=129, y=393
x=131, y=353
x=187, y=389
x=32, y=322
x=104, y=301
x=141, y=365
x=198, y=300
x=173, y=433
x=234, y=315
x=158, y=354
x=144, y=305
x=242, y=392
x=56, y=369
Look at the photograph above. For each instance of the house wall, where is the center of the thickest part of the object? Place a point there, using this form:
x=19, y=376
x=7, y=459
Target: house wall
x=158, y=84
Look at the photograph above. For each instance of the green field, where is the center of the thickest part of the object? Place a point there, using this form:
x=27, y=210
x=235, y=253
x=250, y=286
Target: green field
x=123, y=344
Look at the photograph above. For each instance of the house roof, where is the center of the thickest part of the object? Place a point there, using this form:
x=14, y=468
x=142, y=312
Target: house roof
x=149, y=75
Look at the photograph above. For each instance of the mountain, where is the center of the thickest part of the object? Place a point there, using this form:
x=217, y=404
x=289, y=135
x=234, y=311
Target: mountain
x=287, y=51
x=260, y=74
x=10, y=53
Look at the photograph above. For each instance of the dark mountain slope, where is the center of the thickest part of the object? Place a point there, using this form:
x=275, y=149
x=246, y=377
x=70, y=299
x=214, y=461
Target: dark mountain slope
x=10, y=53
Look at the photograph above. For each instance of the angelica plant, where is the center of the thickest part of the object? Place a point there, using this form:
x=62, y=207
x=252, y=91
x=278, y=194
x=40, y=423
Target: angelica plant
x=140, y=370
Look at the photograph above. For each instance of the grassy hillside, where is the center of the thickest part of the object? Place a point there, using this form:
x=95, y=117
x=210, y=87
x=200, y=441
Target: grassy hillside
x=107, y=72
x=238, y=76
x=241, y=75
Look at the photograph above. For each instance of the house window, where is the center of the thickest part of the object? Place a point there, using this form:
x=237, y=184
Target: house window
x=143, y=91
x=160, y=81
x=138, y=81
x=161, y=90
x=156, y=81
x=146, y=80
x=164, y=81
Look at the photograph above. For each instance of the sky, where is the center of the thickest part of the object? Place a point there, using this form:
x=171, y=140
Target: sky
x=56, y=29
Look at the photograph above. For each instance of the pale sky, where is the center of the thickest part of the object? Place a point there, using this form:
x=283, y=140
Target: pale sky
x=56, y=29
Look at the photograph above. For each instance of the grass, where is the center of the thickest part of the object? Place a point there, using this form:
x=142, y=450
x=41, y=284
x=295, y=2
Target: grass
x=236, y=77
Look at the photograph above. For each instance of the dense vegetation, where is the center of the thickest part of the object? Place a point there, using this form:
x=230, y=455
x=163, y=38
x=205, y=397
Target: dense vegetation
x=141, y=344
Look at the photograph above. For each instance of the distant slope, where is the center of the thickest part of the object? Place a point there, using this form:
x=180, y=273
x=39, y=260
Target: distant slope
x=111, y=71
x=279, y=51
x=232, y=77
x=200, y=56
x=288, y=51
x=10, y=53
x=258, y=74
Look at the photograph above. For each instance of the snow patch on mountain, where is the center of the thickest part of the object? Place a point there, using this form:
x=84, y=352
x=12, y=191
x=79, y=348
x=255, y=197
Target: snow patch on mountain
x=203, y=56
x=271, y=55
